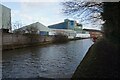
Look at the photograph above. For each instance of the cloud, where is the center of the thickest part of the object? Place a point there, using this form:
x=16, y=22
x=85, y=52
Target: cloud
x=31, y=0
x=43, y=12
x=21, y=17
x=26, y=19
x=57, y=0
x=40, y=0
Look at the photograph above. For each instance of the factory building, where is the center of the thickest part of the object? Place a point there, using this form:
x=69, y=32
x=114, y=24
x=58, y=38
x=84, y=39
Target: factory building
x=66, y=28
x=34, y=28
x=67, y=24
x=5, y=18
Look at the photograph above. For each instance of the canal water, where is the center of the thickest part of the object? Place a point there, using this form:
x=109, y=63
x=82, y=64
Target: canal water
x=50, y=61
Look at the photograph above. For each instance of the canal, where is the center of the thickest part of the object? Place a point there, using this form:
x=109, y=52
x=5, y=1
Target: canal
x=50, y=61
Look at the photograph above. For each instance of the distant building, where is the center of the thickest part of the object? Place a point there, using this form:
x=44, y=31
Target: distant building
x=78, y=28
x=69, y=27
x=67, y=24
x=5, y=18
x=94, y=33
x=35, y=28
x=68, y=32
x=65, y=28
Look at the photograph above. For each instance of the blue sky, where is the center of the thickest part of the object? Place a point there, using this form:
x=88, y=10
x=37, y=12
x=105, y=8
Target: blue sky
x=47, y=12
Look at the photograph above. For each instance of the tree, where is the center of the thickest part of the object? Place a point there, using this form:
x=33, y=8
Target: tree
x=86, y=12
x=94, y=12
x=60, y=38
x=102, y=59
x=31, y=30
x=17, y=25
x=32, y=33
x=111, y=16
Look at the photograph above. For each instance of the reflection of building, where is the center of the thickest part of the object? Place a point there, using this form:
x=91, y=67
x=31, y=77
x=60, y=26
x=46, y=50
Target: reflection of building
x=94, y=33
x=36, y=28
x=5, y=18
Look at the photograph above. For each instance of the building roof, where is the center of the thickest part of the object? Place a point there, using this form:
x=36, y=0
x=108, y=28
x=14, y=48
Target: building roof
x=67, y=24
x=37, y=25
x=62, y=25
x=2, y=6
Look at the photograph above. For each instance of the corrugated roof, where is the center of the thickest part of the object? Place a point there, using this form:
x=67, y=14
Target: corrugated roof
x=41, y=27
x=38, y=25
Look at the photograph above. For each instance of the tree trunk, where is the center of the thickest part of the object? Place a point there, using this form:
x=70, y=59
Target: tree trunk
x=111, y=15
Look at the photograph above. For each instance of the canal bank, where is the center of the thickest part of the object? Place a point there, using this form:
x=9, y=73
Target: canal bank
x=50, y=61
x=101, y=61
x=13, y=41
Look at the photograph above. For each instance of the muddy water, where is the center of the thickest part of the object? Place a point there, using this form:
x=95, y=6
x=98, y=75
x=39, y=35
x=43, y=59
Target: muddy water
x=51, y=61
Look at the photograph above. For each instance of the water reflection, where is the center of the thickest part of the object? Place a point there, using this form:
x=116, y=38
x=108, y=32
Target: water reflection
x=52, y=61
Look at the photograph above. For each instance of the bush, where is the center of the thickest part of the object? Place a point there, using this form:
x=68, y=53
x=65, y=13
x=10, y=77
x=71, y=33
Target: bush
x=60, y=38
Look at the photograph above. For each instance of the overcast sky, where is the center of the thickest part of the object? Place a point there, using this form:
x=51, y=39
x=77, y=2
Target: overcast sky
x=28, y=12
x=47, y=12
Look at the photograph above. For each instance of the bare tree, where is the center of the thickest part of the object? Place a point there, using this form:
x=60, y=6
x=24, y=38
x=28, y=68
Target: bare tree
x=105, y=64
x=17, y=25
x=31, y=30
x=18, y=28
x=94, y=12
x=86, y=12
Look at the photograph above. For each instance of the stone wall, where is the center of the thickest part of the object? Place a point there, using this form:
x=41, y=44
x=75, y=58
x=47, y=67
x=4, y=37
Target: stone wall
x=0, y=54
x=11, y=41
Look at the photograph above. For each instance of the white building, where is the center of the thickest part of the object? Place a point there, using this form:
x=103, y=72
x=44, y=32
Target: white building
x=68, y=32
x=5, y=17
x=36, y=28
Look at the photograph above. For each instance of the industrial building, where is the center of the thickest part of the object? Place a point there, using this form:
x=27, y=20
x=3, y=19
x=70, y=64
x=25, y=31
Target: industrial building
x=69, y=27
x=65, y=28
x=5, y=18
x=34, y=28
x=67, y=24
x=68, y=32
